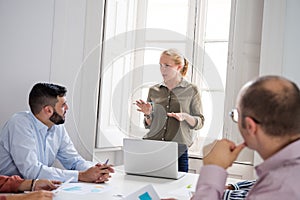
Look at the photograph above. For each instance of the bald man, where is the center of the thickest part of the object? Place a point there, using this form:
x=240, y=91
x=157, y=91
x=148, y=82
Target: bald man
x=268, y=116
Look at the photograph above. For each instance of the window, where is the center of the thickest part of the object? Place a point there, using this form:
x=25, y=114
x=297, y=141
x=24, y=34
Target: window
x=135, y=34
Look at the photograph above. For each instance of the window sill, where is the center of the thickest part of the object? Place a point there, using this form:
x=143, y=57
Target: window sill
x=99, y=150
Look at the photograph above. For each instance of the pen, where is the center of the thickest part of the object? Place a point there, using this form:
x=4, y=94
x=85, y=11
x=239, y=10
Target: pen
x=68, y=181
x=105, y=163
x=62, y=185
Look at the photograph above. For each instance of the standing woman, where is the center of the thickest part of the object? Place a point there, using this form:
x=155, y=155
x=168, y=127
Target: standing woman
x=173, y=108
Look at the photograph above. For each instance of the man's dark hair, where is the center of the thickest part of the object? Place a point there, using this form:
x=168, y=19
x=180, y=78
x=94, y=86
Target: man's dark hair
x=43, y=94
x=275, y=103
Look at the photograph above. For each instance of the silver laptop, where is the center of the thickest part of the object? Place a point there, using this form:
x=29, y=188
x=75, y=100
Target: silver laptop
x=151, y=158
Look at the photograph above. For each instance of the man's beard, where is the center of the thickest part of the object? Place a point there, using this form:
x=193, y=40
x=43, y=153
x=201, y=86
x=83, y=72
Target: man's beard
x=56, y=118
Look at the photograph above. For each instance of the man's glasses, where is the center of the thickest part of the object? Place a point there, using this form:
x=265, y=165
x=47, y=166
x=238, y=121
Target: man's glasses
x=234, y=114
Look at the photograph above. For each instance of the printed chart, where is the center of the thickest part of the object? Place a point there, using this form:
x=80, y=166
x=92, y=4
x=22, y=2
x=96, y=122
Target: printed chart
x=84, y=188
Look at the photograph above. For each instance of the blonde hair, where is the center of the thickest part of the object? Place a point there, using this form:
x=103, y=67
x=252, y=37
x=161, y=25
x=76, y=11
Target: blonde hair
x=178, y=58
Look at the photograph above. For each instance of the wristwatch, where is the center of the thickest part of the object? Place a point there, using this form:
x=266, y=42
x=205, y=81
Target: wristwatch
x=147, y=116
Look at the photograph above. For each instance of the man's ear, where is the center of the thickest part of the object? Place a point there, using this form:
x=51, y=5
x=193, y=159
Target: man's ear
x=48, y=110
x=251, y=126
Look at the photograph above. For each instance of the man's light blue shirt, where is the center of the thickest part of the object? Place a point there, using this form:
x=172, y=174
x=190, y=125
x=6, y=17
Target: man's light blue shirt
x=28, y=148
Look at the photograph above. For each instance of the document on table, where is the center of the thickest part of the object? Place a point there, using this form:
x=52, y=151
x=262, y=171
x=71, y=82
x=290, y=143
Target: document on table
x=84, y=188
x=185, y=191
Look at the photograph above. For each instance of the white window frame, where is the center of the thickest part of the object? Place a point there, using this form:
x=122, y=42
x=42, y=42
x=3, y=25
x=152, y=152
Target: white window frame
x=106, y=125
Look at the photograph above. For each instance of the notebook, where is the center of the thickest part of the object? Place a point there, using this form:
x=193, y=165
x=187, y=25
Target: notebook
x=151, y=158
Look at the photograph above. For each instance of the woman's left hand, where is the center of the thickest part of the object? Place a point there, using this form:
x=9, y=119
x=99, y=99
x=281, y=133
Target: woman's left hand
x=179, y=116
x=184, y=117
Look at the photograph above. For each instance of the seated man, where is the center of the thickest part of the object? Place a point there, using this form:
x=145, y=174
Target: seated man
x=268, y=116
x=31, y=141
x=17, y=184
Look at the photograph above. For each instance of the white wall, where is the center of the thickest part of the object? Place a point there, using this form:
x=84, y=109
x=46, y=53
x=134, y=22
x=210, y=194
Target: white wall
x=280, y=39
x=291, y=58
x=25, y=51
x=52, y=41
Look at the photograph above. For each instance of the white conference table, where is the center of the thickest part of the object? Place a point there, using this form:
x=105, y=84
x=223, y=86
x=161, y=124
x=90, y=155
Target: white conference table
x=122, y=184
